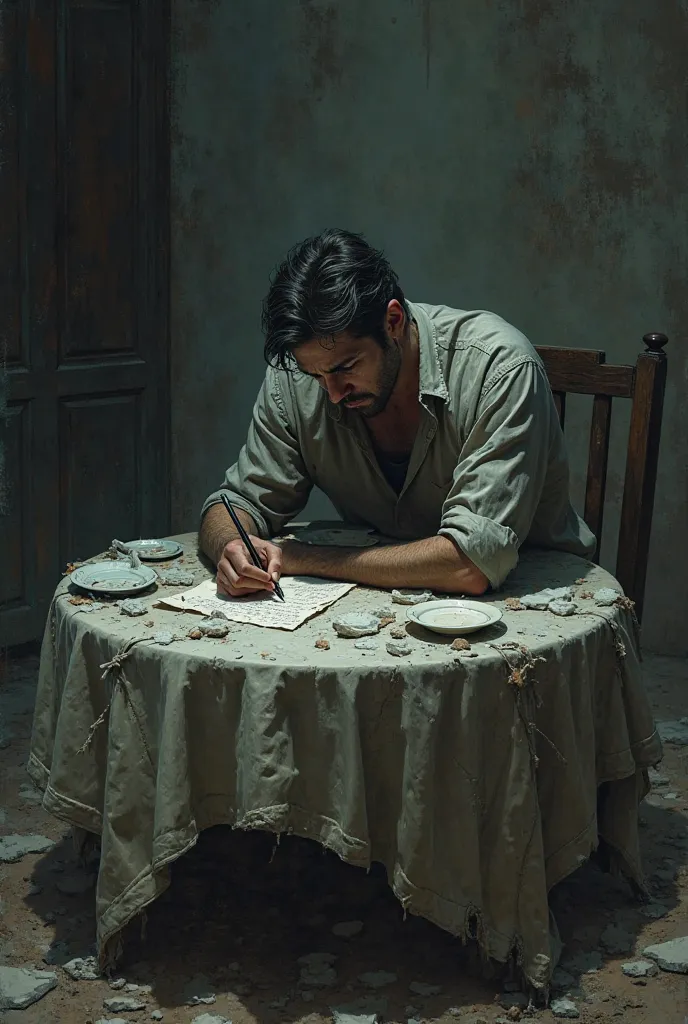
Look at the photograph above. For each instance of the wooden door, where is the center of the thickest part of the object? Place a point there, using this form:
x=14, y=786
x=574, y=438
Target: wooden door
x=84, y=216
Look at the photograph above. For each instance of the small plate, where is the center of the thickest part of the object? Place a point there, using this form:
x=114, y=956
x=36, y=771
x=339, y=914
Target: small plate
x=154, y=550
x=454, y=616
x=113, y=578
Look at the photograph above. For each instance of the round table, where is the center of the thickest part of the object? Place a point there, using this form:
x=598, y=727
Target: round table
x=479, y=778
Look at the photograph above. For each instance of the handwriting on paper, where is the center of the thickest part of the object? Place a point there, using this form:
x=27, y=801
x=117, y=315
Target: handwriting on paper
x=304, y=597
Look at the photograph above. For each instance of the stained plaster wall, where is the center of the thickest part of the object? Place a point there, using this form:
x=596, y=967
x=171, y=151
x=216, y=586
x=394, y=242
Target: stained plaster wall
x=525, y=156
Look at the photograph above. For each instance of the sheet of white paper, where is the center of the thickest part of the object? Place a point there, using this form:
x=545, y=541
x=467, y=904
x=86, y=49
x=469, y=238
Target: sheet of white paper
x=304, y=596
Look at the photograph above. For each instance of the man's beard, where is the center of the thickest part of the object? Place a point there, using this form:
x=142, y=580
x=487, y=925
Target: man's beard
x=389, y=372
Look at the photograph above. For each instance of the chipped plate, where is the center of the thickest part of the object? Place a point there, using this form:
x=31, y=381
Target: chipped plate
x=154, y=550
x=113, y=578
x=453, y=616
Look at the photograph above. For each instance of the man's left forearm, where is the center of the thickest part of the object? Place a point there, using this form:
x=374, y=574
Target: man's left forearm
x=434, y=563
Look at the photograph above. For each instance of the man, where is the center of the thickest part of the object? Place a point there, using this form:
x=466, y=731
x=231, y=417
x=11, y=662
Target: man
x=436, y=426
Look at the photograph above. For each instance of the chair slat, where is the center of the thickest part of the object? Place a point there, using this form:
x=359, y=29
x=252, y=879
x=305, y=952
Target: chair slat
x=598, y=456
x=561, y=360
x=615, y=381
x=585, y=372
x=641, y=471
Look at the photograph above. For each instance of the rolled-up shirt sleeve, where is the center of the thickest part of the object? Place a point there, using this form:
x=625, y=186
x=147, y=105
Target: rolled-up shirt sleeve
x=269, y=480
x=499, y=478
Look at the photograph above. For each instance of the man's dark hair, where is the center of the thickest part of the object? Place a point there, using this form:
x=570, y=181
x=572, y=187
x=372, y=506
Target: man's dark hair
x=332, y=282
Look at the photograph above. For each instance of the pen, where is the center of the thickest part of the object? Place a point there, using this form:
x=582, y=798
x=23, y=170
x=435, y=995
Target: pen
x=255, y=557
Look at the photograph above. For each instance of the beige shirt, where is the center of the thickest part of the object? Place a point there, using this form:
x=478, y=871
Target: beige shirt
x=488, y=467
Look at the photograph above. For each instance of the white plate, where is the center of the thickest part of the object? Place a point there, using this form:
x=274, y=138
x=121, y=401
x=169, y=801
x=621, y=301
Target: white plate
x=113, y=578
x=154, y=550
x=454, y=616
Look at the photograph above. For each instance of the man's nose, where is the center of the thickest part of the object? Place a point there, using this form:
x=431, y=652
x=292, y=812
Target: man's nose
x=336, y=390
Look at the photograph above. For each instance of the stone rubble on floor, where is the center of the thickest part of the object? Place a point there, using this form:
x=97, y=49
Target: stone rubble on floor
x=564, y=1008
x=199, y=992
x=340, y=1016
x=640, y=969
x=671, y=956
x=13, y=848
x=82, y=968
x=674, y=732
x=22, y=986
x=123, y=1004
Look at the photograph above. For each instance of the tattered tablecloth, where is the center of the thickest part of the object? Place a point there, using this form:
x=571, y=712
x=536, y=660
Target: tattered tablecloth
x=479, y=779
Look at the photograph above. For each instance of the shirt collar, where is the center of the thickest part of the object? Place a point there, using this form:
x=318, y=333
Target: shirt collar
x=431, y=378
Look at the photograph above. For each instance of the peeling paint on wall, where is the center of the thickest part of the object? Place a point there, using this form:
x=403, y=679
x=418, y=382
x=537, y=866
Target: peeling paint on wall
x=529, y=158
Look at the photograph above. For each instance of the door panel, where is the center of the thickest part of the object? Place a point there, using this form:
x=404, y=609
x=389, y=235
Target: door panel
x=83, y=302
x=97, y=141
x=99, y=445
x=13, y=537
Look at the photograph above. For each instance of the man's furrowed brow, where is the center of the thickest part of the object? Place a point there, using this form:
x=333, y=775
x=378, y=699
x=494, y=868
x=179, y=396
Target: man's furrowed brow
x=334, y=369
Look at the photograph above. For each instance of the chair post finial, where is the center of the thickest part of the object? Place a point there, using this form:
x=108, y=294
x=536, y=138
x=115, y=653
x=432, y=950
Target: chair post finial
x=655, y=342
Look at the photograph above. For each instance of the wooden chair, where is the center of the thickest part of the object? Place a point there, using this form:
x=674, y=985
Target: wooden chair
x=586, y=372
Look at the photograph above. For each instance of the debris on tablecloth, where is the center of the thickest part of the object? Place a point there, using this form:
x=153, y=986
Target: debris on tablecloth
x=541, y=599
x=132, y=606
x=563, y=607
x=213, y=627
x=175, y=577
x=322, y=644
x=386, y=616
x=398, y=633
x=411, y=596
x=163, y=637
x=398, y=649
x=514, y=604
x=356, y=624
x=366, y=643
x=460, y=644
x=605, y=596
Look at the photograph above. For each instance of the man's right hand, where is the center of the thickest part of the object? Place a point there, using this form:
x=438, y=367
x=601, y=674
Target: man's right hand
x=237, y=576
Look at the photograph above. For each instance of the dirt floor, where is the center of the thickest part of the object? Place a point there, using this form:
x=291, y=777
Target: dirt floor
x=241, y=912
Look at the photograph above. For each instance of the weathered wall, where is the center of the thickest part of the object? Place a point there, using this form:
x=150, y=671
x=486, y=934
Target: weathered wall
x=527, y=157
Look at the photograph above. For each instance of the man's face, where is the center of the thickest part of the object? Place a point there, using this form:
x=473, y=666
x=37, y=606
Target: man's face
x=356, y=372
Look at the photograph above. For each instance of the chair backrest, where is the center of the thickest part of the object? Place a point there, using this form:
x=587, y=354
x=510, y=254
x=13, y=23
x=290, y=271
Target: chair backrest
x=586, y=372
